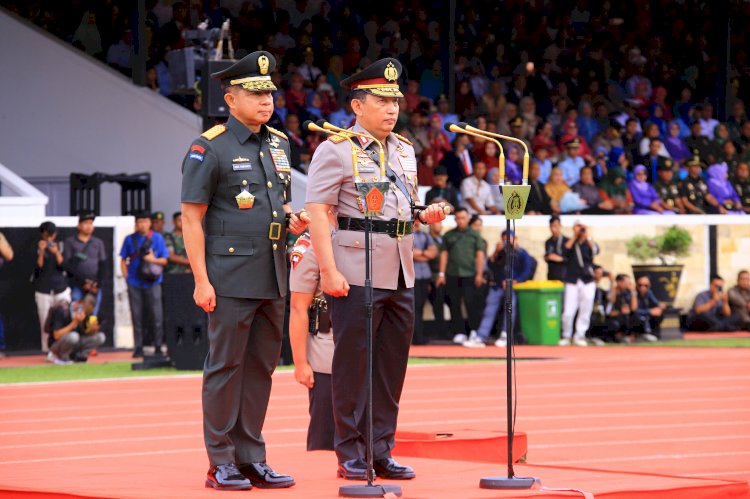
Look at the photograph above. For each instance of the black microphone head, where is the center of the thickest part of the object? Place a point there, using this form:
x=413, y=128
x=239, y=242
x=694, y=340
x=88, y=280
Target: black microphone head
x=462, y=124
x=306, y=125
x=321, y=123
x=448, y=126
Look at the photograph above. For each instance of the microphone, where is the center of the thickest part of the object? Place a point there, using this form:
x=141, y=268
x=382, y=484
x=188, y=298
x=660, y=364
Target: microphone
x=453, y=127
x=525, y=176
x=313, y=127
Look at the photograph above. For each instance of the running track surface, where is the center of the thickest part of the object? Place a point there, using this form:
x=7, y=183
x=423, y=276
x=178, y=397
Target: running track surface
x=615, y=422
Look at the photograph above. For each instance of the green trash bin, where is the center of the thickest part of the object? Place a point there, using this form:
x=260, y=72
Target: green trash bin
x=540, y=310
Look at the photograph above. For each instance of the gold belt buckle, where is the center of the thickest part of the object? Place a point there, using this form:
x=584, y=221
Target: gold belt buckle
x=401, y=227
x=274, y=231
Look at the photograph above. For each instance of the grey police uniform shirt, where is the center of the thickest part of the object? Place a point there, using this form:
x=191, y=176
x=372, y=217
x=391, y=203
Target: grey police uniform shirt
x=305, y=278
x=225, y=162
x=331, y=182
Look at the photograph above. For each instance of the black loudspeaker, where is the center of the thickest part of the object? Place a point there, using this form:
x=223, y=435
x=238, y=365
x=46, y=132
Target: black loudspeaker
x=216, y=106
x=186, y=324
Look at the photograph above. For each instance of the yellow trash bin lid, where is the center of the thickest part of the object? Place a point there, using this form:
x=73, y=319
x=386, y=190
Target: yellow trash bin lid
x=545, y=285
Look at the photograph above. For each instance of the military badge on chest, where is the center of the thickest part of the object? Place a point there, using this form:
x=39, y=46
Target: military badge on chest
x=278, y=156
x=245, y=200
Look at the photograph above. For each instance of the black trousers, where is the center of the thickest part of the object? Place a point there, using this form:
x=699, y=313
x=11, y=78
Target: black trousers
x=392, y=323
x=244, y=337
x=146, y=312
x=321, y=429
x=712, y=322
x=421, y=288
x=460, y=289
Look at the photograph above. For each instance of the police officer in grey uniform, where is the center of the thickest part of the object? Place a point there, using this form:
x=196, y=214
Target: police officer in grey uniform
x=236, y=181
x=374, y=99
x=311, y=339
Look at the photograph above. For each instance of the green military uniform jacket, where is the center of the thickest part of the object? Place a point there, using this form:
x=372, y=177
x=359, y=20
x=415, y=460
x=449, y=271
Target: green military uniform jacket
x=245, y=179
x=668, y=192
x=695, y=190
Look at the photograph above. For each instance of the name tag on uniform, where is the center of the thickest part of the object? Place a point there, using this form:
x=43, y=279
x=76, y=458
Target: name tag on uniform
x=238, y=167
x=408, y=163
x=280, y=161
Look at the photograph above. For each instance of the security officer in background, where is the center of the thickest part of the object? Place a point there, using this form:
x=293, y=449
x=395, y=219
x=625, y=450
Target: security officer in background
x=237, y=177
x=668, y=189
x=374, y=100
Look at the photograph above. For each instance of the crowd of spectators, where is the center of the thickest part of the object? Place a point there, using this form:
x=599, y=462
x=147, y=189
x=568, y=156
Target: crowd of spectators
x=595, y=90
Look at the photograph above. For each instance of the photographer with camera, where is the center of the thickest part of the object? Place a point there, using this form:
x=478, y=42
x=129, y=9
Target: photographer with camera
x=711, y=311
x=650, y=311
x=143, y=258
x=580, y=288
x=84, y=260
x=50, y=283
x=74, y=330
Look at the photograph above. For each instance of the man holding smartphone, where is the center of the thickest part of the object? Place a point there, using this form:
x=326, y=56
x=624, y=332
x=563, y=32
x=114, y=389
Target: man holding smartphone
x=580, y=287
x=711, y=311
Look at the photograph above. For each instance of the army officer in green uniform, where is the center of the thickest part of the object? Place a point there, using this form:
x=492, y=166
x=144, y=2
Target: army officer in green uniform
x=236, y=181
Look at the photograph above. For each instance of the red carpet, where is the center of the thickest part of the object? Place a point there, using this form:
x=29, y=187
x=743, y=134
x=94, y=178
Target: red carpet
x=662, y=422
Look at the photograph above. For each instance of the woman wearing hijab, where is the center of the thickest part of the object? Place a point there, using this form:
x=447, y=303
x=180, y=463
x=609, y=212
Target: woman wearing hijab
x=645, y=198
x=721, y=189
x=512, y=168
x=87, y=35
x=556, y=188
x=675, y=144
x=613, y=188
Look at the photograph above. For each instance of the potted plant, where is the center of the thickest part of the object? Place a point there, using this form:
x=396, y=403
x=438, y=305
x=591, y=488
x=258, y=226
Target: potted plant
x=658, y=256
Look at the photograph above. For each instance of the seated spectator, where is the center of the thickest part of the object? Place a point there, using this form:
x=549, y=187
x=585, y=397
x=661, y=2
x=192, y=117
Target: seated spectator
x=523, y=268
x=459, y=163
x=440, y=144
x=711, y=310
x=545, y=164
x=544, y=139
x=730, y=155
x=707, y=120
x=475, y=192
x=589, y=193
x=721, y=189
x=441, y=190
x=539, y=201
x=489, y=154
x=74, y=330
x=650, y=312
x=741, y=184
x=675, y=144
x=513, y=170
x=697, y=142
x=343, y=117
x=669, y=190
x=694, y=191
x=646, y=201
x=556, y=188
x=570, y=132
x=739, y=300
x=653, y=159
x=415, y=131
x=118, y=55
x=572, y=164
x=613, y=188
x=624, y=302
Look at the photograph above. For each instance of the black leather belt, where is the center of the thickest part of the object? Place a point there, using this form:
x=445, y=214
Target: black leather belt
x=392, y=227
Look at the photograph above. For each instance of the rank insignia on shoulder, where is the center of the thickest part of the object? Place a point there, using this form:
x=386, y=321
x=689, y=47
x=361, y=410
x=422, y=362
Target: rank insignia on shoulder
x=196, y=156
x=402, y=138
x=336, y=138
x=197, y=148
x=277, y=132
x=214, y=132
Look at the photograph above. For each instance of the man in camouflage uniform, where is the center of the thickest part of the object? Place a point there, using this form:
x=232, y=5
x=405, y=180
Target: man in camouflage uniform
x=694, y=191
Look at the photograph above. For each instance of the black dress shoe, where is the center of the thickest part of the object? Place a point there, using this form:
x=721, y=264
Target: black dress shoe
x=389, y=468
x=227, y=477
x=263, y=477
x=353, y=469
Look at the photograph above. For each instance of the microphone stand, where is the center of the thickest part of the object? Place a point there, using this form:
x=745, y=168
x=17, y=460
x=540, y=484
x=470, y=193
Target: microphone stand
x=514, y=198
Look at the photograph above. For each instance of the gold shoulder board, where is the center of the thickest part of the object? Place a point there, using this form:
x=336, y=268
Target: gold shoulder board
x=276, y=132
x=336, y=138
x=402, y=138
x=214, y=132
